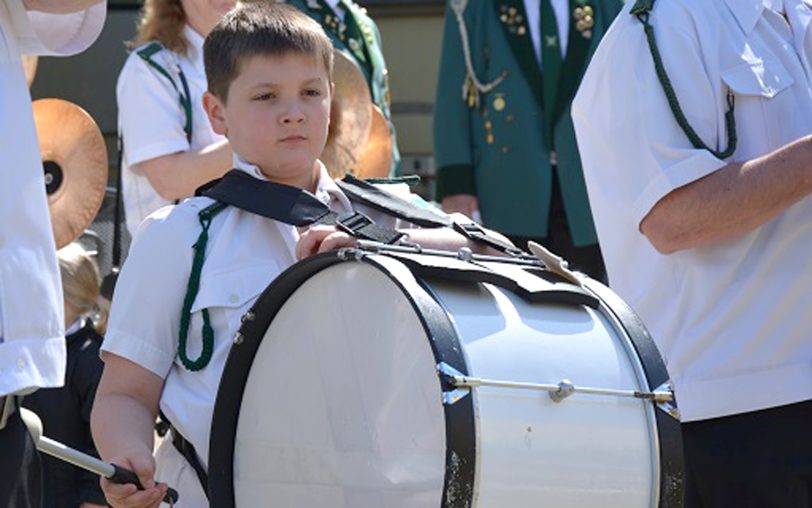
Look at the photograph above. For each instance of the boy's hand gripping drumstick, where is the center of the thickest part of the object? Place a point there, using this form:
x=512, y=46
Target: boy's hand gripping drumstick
x=56, y=449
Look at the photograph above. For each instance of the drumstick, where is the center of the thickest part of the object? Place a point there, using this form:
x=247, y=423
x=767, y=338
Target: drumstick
x=56, y=449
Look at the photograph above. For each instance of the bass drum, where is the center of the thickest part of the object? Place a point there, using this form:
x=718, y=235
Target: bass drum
x=369, y=379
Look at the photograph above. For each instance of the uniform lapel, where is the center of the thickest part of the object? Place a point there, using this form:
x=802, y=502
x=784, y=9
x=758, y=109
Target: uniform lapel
x=579, y=43
x=513, y=19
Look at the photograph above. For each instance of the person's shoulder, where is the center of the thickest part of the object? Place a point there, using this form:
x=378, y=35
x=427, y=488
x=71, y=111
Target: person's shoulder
x=145, y=60
x=173, y=224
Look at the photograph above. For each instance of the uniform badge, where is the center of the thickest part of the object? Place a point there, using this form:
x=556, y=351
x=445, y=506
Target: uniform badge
x=499, y=102
x=584, y=17
x=511, y=17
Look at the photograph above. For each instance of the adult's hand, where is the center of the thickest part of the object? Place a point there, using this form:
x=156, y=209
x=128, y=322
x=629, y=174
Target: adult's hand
x=465, y=204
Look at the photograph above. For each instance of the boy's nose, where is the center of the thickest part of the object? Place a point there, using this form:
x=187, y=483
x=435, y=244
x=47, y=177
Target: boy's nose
x=293, y=114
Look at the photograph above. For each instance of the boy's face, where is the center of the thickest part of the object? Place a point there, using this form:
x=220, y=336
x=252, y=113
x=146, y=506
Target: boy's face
x=277, y=116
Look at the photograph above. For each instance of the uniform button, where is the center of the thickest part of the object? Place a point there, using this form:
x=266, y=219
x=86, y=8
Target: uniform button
x=509, y=119
x=505, y=149
x=234, y=298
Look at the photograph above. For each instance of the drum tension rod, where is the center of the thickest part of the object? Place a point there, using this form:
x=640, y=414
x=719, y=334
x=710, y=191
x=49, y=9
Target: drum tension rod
x=557, y=392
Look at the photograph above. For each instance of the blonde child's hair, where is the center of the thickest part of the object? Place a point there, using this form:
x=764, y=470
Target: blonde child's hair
x=80, y=284
x=162, y=21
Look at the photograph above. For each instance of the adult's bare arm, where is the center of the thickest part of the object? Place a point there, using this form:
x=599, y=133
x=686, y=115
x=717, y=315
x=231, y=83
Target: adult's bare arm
x=731, y=201
x=59, y=6
x=176, y=176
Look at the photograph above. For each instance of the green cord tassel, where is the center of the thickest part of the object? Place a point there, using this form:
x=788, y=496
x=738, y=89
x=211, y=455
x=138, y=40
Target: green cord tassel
x=205, y=216
x=642, y=10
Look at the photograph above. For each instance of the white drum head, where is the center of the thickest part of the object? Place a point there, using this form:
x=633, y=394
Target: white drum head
x=342, y=406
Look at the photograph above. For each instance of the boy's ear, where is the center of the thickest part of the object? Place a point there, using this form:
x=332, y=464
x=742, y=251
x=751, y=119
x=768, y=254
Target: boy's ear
x=216, y=113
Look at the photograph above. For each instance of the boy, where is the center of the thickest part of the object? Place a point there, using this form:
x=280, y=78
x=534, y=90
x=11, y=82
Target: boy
x=269, y=79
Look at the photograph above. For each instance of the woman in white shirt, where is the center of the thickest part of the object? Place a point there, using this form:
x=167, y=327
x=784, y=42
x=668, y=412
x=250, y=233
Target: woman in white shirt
x=169, y=148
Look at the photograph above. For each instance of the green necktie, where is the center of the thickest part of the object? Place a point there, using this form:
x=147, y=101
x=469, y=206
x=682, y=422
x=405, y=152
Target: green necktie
x=551, y=66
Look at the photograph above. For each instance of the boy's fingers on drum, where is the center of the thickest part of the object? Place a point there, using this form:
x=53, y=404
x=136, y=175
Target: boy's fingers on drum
x=336, y=240
x=311, y=240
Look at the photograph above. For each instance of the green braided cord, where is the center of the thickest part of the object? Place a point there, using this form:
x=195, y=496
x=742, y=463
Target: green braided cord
x=673, y=103
x=186, y=102
x=205, y=216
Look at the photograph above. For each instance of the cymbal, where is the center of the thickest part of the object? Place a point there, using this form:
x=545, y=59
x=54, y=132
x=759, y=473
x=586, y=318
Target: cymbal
x=376, y=159
x=30, y=68
x=350, y=117
x=74, y=159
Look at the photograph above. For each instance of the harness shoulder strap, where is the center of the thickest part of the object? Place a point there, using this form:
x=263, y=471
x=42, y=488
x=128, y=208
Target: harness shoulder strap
x=422, y=215
x=150, y=54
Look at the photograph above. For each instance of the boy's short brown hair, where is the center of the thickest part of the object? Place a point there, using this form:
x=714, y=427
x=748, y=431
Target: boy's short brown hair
x=261, y=28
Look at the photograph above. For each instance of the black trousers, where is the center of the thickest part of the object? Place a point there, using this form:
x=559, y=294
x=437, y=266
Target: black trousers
x=20, y=466
x=587, y=258
x=761, y=459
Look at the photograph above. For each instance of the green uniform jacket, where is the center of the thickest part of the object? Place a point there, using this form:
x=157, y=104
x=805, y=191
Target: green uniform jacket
x=377, y=76
x=496, y=150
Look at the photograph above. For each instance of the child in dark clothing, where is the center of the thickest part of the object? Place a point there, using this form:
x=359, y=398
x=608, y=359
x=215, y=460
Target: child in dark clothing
x=65, y=412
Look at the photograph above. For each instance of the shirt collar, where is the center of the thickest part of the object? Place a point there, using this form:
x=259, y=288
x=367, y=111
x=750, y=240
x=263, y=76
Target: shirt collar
x=747, y=12
x=195, y=40
x=326, y=189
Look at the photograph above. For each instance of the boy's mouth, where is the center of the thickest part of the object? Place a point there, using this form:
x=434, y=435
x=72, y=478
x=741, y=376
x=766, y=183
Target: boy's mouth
x=294, y=138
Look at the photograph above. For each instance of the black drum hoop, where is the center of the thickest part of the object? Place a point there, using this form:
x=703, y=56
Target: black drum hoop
x=460, y=472
x=669, y=430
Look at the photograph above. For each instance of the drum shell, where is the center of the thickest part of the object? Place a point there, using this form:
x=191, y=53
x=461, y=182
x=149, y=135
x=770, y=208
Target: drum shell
x=525, y=448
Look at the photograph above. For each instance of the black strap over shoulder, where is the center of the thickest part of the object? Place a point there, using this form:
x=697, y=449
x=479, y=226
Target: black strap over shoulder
x=386, y=202
x=390, y=204
x=292, y=205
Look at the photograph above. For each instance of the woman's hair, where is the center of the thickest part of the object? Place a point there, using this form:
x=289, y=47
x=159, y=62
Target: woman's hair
x=162, y=21
x=80, y=284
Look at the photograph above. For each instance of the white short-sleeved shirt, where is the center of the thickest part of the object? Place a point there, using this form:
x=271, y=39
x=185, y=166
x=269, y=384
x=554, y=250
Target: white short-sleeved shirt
x=245, y=252
x=151, y=119
x=32, y=350
x=732, y=320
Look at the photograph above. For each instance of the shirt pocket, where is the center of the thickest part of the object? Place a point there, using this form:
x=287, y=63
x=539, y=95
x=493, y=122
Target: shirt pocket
x=760, y=78
x=230, y=293
x=761, y=88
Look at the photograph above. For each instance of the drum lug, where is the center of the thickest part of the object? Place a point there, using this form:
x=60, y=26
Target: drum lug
x=668, y=406
x=450, y=378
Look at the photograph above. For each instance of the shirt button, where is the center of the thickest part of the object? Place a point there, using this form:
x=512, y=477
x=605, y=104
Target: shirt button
x=234, y=298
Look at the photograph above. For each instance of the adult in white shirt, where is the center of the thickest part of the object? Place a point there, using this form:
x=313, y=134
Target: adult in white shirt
x=169, y=147
x=712, y=248
x=32, y=350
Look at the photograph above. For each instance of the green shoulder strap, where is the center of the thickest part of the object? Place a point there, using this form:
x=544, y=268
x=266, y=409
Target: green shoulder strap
x=642, y=9
x=147, y=53
x=205, y=216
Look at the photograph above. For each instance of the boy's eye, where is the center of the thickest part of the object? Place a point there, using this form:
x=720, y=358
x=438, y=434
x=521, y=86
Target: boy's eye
x=312, y=92
x=264, y=97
